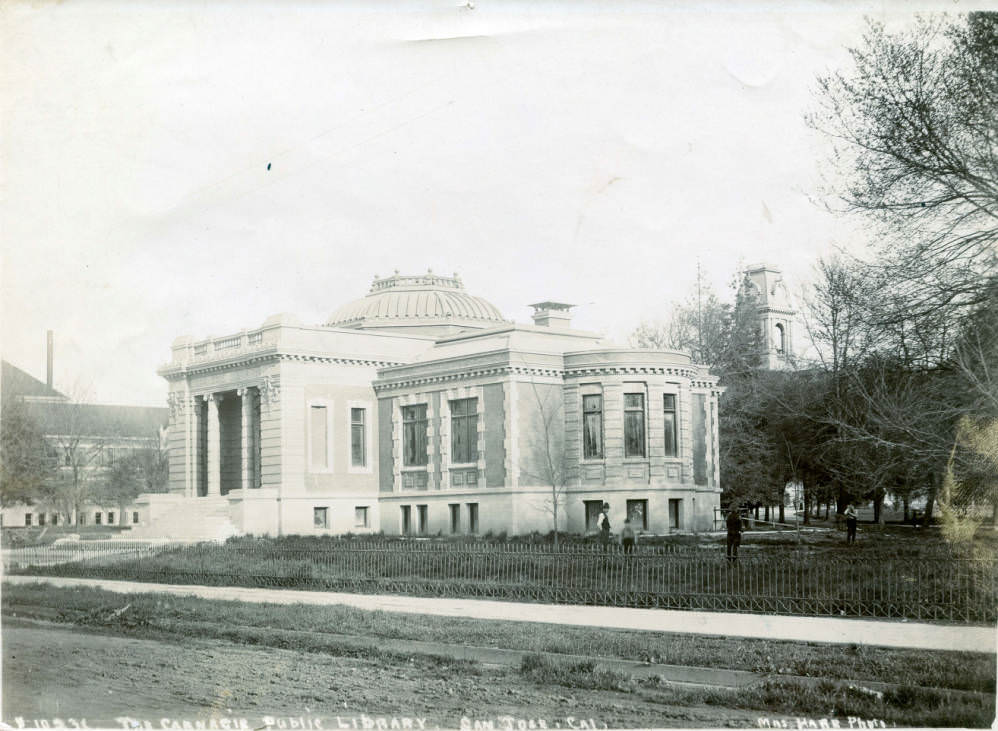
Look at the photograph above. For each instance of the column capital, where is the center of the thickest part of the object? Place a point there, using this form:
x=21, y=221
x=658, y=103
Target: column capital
x=270, y=389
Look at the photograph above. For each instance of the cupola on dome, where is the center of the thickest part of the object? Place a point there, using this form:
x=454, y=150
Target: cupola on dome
x=426, y=304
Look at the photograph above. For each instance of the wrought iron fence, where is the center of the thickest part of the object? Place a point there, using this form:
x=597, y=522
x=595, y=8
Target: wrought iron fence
x=936, y=587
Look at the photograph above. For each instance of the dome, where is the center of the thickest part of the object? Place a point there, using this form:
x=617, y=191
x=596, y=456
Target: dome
x=424, y=303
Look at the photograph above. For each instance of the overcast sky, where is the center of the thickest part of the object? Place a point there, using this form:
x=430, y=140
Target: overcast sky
x=587, y=153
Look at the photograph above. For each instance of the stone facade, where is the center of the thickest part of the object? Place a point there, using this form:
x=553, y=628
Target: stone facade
x=419, y=409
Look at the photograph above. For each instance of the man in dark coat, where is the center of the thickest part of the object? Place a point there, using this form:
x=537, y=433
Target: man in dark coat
x=734, y=523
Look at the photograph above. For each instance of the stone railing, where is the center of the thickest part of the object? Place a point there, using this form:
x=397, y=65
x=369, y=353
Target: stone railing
x=218, y=347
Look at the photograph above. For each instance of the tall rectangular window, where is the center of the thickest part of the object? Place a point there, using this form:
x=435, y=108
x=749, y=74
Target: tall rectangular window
x=41, y=519
x=592, y=427
x=81, y=519
x=669, y=411
x=27, y=518
x=421, y=513
x=455, y=517
x=674, y=513
x=464, y=430
x=472, y=517
x=97, y=518
x=319, y=437
x=360, y=517
x=110, y=518
x=358, y=440
x=320, y=517
x=414, y=435
x=135, y=517
x=699, y=428
x=406, y=519
x=634, y=425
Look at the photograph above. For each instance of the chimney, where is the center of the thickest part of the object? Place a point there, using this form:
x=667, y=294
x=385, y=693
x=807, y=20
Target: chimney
x=555, y=315
x=48, y=359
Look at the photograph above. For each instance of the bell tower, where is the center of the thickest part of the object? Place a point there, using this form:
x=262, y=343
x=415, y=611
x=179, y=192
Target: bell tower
x=775, y=315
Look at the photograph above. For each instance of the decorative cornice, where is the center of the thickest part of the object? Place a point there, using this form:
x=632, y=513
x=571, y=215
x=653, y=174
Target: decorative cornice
x=176, y=372
x=625, y=370
x=500, y=371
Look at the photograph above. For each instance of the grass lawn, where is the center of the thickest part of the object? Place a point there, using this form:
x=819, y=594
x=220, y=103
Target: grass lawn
x=922, y=697
x=915, y=575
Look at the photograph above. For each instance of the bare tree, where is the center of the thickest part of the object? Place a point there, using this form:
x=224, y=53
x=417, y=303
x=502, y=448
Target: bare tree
x=72, y=434
x=547, y=460
x=834, y=315
x=914, y=139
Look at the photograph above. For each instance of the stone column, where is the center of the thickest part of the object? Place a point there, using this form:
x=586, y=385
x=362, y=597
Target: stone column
x=214, y=447
x=194, y=445
x=190, y=445
x=246, y=438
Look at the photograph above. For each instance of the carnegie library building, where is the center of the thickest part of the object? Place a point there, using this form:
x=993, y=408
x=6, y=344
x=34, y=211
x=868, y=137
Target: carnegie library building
x=420, y=409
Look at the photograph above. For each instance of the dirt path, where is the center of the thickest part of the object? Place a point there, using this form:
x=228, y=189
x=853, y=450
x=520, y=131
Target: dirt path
x=66, y=673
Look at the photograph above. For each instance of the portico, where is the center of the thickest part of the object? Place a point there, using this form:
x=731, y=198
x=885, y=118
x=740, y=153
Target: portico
x=228, y=427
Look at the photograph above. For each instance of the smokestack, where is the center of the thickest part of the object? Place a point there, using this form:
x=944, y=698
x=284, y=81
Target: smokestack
x=48, y=359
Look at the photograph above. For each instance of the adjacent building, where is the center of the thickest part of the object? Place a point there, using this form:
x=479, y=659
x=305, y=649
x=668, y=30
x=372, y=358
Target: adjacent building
x=84, y=440
x=420, y=409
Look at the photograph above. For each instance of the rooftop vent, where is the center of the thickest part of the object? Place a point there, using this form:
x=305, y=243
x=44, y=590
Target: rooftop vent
x=555, y=315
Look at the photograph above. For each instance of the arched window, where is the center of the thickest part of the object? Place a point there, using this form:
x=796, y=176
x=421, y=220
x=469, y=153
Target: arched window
x=781, y=338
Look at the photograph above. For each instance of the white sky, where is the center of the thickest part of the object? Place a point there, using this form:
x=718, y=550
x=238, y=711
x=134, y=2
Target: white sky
x=587, y=153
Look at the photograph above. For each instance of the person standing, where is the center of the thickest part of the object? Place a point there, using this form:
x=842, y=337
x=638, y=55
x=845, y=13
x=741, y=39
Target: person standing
x=603, y=523
x=850, y=524
x=734, y=524
x=627, y=536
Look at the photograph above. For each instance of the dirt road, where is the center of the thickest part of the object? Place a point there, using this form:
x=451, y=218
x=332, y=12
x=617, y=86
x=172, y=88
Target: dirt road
x=111, y=681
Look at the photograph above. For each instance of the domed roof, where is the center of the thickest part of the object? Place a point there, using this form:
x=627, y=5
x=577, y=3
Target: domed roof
x=424, y=302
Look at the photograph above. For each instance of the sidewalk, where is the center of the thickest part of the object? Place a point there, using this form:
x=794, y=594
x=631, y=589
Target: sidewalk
x=881, y=633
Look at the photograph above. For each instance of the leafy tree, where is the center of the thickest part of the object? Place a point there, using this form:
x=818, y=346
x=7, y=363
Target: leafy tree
x=153, y=468
x=726, y=337
x=700, y=326
x=26, y=461
x=722, y=335
x=120, y=484
x=971, y=477
x=137, y=472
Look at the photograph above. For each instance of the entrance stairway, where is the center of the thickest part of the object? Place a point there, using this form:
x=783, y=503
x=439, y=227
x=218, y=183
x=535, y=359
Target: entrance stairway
x=192, y=519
